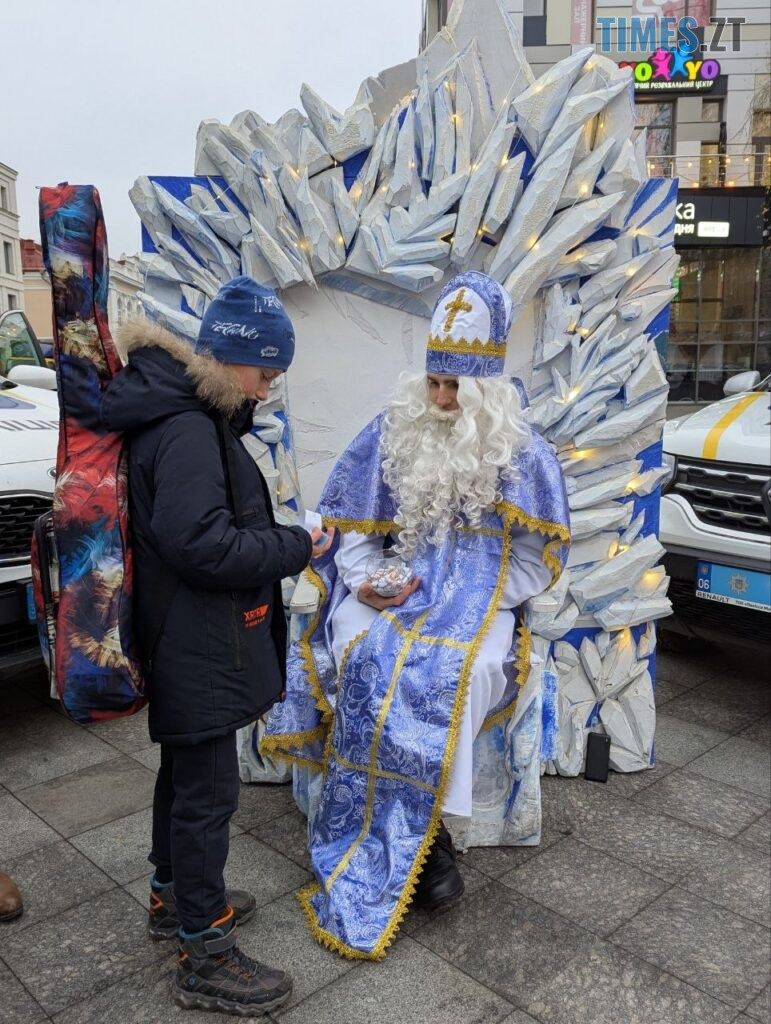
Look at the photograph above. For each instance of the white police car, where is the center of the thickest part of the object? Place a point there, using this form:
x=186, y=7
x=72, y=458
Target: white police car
x=29, y=428
x=716, y=516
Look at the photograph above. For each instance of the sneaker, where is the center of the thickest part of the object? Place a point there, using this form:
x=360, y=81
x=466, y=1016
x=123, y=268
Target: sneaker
x=214, y=974
x=440, y=883
x=163, y=922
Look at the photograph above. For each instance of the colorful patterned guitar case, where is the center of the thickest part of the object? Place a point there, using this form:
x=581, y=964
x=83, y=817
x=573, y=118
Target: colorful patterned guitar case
x=84, y=615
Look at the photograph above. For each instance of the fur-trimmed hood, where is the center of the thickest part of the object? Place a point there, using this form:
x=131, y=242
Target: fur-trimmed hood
x=164, y=376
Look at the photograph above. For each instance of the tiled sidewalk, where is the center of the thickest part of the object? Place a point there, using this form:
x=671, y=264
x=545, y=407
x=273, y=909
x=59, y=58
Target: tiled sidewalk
x=646, y=903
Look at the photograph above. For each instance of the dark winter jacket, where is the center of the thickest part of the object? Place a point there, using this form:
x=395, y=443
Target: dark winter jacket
x=219, y=660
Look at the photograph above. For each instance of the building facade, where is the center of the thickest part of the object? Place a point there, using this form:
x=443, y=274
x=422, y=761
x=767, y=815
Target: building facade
x=126, y=281
x=711, y=129
x=11, y=279
x=37, y=290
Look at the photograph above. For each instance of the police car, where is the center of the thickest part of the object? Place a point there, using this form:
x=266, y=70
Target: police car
x=29, y=427
x=716, y=516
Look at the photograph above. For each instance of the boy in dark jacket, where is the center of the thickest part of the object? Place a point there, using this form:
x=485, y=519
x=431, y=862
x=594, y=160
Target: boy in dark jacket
x=208, y=565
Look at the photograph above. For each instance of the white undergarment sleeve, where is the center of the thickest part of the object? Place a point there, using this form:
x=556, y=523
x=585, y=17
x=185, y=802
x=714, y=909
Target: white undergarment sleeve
x=527, y=577
x=353, y=553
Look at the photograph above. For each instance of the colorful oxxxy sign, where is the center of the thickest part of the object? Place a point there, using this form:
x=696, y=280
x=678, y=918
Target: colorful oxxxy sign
x=673, y=70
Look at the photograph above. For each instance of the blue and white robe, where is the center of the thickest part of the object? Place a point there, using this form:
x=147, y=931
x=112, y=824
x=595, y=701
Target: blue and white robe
x=384, y=726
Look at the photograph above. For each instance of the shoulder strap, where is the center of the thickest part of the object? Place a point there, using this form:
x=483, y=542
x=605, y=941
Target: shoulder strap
x=228, y=465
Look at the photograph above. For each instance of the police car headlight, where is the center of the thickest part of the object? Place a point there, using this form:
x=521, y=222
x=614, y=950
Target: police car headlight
x=670, y=464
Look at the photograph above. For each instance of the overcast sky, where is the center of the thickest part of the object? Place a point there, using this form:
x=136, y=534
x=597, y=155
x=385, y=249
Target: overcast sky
x=100, y=91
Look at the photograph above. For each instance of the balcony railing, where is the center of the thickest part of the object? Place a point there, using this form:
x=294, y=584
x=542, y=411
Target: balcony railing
x=729, y=168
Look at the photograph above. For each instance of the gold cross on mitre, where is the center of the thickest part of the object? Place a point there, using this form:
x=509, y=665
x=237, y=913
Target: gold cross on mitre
x=453, y=308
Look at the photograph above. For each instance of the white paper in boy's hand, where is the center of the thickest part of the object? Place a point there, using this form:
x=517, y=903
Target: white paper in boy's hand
x=309, y=521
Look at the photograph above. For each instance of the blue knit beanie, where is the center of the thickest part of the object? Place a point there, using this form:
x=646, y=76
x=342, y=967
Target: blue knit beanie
x=247, y=324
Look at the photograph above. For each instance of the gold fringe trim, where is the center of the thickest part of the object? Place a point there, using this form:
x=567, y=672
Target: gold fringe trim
x=306, y=650
x=274, y=744
x=321, y=935
x=533, y=523
x=379, y=526
x=551, y=559
x=464, y=346
x=522, y=664
x=282, y=745
x=328, y=748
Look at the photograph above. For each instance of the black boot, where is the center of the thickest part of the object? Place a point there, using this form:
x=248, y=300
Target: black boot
x=163, y=921
x=440, y=882
x=214, y=974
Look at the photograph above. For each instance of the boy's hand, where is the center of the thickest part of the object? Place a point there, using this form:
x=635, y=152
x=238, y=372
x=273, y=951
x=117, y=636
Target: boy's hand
x=368, y=595
x=322, y=541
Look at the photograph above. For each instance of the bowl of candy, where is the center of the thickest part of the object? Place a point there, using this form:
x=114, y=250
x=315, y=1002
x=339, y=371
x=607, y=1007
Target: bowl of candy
x=388, y=573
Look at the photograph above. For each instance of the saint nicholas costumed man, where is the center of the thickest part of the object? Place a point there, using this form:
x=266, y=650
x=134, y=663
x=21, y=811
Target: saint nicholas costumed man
x=387, y=692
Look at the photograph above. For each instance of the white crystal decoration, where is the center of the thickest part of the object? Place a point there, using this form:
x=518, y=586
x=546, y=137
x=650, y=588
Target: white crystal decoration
x=461, y=159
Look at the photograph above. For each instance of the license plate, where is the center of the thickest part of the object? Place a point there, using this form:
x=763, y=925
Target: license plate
x=31, y=613
x=743, y=587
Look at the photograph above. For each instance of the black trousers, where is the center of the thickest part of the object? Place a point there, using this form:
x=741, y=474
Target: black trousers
x=196, y=794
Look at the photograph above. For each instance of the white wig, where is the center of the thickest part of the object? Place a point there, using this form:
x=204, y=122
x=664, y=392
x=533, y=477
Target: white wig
x=444, y=468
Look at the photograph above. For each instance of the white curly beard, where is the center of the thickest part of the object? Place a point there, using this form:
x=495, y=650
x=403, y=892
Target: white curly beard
x=443, y=466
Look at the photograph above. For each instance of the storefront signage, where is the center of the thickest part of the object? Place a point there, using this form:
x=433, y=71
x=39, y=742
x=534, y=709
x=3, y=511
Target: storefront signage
x=687, y=224
x=719, y=217
x=673, y=71
x=713, y=229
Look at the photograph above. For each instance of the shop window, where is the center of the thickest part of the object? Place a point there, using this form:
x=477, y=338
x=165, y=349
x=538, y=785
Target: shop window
x=709, y=172
x=720, y=322
x=718, y=362
x=764, y=286
x=534, y=23
x=712, y=111
x=763, y=360
x=658, y=117
x=681, y=371
x=687, y=280
x=761, y=141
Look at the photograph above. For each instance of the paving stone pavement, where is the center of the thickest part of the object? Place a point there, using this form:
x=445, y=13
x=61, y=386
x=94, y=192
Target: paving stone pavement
x=647, y=901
